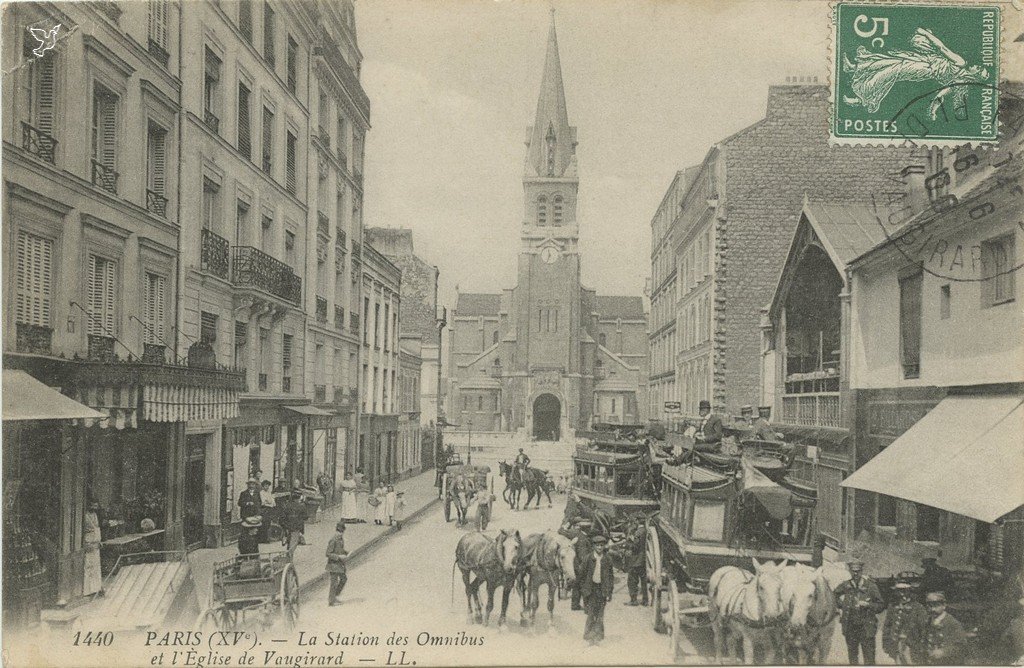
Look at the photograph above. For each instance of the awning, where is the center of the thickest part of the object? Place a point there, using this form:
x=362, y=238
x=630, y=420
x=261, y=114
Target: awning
x=308, y=410
x=25, y=398
x=965, y=457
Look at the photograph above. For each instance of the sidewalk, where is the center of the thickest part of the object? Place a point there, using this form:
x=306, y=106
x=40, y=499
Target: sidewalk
x=420, y=494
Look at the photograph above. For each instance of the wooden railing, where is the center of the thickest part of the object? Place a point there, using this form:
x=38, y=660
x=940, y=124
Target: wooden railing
x=819, y=409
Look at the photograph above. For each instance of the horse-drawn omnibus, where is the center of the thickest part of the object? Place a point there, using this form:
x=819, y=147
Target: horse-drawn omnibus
x=718, y=510
x=615, y=477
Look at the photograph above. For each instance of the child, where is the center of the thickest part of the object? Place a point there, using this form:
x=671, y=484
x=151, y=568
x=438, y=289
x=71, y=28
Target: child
x=337, y=555
x=389, y=502
x=399, y=510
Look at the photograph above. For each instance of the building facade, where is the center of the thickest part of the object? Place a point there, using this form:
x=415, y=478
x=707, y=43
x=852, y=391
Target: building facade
x=410, y=437
x=548, y=356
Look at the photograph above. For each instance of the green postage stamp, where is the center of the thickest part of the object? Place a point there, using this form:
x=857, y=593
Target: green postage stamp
x=928, y=73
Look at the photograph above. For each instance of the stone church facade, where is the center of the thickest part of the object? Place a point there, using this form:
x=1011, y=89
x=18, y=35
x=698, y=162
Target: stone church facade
x=548, y=357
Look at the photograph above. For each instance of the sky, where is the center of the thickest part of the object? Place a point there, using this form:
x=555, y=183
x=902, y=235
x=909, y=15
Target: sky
x=650, y=85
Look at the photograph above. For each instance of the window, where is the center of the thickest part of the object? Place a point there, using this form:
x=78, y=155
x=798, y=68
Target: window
x=910, y=324
x=104, y=139
x=340, y=144
x=944, y=297
x=153, y=308
x=927, y=523
x=291, y=181
x=34, y=280
x=394, y=331
x=708, y=521
x=613, y=405
x=41, y=88
x=542, y=210
x=244, y=133
x=158, y=26
x=366, y=320
x=242, y=224
x=245, y=19
x=997, y=270
x=156, y=169
x=207, y=327
x=211, y=90
x=211, y=205
x=387, y=318
x=324, y=117
x=264, y=362
x=241, y=338
x=376, y=325
x=102, y=296
x=268, y=34
x=557, y=212
x=480, y=402
x=293, y=64
x=267, y=234
x=268, y=141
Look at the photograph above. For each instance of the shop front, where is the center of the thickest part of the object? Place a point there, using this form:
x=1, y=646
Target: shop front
x=377, y=454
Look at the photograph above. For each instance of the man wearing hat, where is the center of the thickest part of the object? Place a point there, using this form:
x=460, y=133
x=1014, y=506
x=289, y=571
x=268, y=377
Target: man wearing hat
x=293, y=515
x=709, y=432
x=249, y=539
x=859, y=602
x=249, y=500
x=903, y=631
x=935, y=577
x=762, y=427
x=337, y=555
x=945, y=642
x=636, y=564
x=596, y=586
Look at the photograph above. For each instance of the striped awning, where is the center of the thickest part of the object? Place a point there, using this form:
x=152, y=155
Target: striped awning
x=125, y=405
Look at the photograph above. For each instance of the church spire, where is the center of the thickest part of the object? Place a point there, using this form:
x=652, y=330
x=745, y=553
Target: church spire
x=551, y=138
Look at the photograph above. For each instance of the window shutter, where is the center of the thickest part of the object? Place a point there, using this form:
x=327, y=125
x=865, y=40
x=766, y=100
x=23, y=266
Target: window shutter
x=108, y=297
x=244, y=139
x=108, y=130
x=268, y=139
x=154, y=308
x=157, y=161
x=291, y=175
x=34, y=266
x=158, y=22
x=45, y=92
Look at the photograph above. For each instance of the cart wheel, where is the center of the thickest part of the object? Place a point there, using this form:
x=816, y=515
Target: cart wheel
x=675, y=629
x=289, y=596
x=652, y=554
x=221, y=618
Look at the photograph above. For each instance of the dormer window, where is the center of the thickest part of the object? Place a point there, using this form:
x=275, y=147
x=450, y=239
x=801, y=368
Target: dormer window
x=542, y=210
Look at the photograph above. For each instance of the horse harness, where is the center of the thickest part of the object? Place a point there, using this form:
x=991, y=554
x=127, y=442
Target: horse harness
x=734, y=610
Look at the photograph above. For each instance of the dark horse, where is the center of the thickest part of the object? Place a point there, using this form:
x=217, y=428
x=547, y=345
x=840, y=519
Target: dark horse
x=493, y=559
x=535, y=482
x=544, y=559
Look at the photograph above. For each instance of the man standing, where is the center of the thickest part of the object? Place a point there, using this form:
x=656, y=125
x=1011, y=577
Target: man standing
x=859, y=602
x=337, y=555
x=636, y=565
x=293, y=517
x=945, y=642
x=584, y=550
x=903, y=631
x=249, y=500
x=709, y=433
x=596, y=585
x=935, y=578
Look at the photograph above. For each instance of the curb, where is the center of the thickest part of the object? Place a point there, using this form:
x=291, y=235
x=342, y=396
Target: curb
x=322, y=577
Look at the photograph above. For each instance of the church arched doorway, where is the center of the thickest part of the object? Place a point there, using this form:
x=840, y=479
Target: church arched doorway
x=547, y=418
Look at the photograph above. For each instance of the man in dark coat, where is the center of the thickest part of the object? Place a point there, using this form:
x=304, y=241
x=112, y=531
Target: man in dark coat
x=337, y=555
x=636, y=565
x=709, y=432
x=945, y=641
x=293, y=515
x=903, y=631
x=597, y=583
x=584, y=549
x=935, y=578
x=249, y=500
x=860, y=602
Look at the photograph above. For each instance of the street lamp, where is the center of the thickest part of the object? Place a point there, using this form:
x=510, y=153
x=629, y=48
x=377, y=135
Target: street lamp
x=469, y=442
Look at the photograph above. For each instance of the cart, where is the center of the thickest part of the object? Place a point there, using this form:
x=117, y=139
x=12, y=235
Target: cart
x=253, y=584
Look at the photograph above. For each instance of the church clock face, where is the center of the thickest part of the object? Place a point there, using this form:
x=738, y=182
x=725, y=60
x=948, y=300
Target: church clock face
x=549, y=255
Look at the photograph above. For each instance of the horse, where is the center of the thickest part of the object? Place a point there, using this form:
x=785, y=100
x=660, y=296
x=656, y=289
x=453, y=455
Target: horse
x=537, y=482
x=461, y=499
x=747, y=606
x=811, y=604
x=493, y=559
x=546, y=559
x=513, y=486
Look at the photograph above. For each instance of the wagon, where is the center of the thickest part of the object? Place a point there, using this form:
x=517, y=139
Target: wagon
x=615, y=479
x=264, y=584
x=482, y=479
x=712, y=517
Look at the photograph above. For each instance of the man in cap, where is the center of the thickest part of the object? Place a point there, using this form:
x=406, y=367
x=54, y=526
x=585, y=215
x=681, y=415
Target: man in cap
x=249, y=500
x=636, y=564
x=293, y=516
x=747, y=414
x=859, y=603
x=522, y=463
x=596, y=585
x=903, y=631
x=248, y=539
x=935, y=577
x=945, y=642
x=337, y=555
x=709, y=432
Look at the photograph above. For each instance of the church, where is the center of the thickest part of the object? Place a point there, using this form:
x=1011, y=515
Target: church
x=548, y=357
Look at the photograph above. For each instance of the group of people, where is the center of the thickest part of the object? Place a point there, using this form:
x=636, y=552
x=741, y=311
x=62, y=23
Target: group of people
x=914, y=633
x=258, y=507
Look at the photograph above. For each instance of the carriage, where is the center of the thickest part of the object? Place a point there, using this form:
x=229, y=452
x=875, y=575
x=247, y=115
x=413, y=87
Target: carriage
x=615, y=477
x=719, y=511
x=482, y=480
x=262, y=585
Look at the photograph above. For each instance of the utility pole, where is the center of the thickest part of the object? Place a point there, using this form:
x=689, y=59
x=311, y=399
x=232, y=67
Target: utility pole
x=442, y=322
x=469, y=443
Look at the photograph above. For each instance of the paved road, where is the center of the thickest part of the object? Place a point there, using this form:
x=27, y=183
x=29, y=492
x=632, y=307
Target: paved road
x=406, y=586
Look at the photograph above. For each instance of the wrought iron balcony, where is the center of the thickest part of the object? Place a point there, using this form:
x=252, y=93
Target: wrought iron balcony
x=154, y=353
x=104, y=177
x=211, y=121
x=34, y=339
x=323, y=225
x=321, y=310
x=38, y=143
x=156, y=203
x=159, y=52
x=215, y=254
x=340, y=238
x=251, y=267
x=262, y=379
x=319, y=394
x=101, y=348
x=286, y=384
x=339, y=318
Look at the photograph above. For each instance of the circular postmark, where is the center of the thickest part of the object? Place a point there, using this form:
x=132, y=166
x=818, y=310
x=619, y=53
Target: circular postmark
x=970, y=186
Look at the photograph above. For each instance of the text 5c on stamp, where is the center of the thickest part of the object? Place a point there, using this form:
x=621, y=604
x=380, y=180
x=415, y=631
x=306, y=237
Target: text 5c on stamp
x=922, y=72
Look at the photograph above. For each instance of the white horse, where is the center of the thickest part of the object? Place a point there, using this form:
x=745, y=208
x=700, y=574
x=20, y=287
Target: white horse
x=747, y=606
x=811, y=605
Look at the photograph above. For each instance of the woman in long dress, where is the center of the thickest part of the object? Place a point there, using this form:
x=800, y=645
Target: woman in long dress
x=349, y=509
x=380, y=515
x=93, y=575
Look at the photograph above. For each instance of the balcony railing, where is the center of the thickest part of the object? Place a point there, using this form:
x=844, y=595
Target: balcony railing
x=263, y=382
x=156, y=203
x=159, y=52
x=211, y=121
x=321, y=310
x=323, y=225
x=38, y=143
x=319, y=394
x=251, y=267
x=104, y=177
x=339, y=318
x=353, y=322
x=215, y=254
x=339, y=239
x=812, y=410
x=34, y=339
